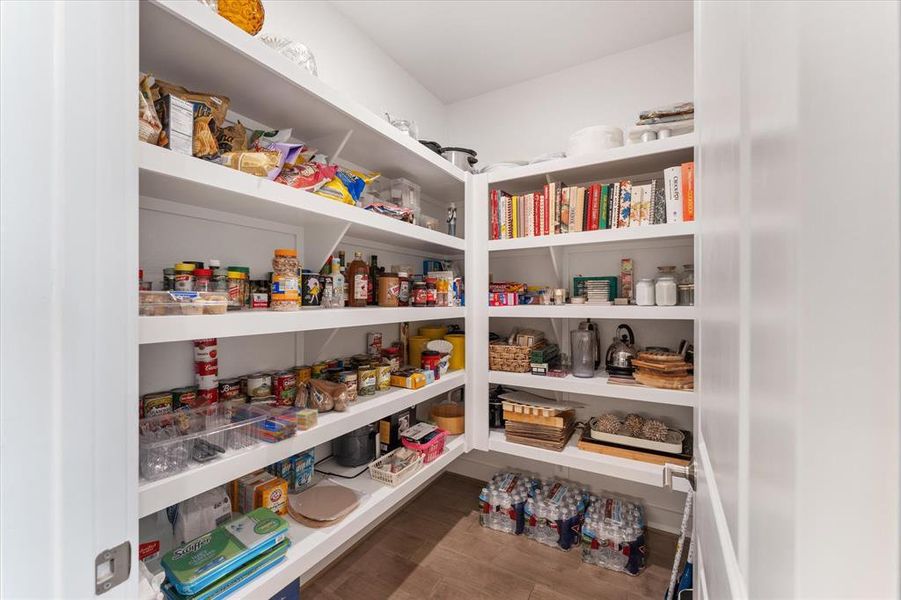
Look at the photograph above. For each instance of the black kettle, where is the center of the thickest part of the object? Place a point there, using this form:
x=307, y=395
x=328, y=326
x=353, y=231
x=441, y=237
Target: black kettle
x=621, y=352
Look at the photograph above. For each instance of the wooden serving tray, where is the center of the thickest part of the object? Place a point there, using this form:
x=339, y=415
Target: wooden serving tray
x=588, y=444
x=558, y=421
x=677, y=382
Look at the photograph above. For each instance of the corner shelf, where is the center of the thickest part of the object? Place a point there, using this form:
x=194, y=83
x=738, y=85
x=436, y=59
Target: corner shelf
x=592, y=311
x=594, y=386
x=157, y=495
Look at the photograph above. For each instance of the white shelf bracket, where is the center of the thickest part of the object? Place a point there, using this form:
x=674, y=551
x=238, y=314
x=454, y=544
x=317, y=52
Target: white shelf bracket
x=320, y=242
x=334, y=156
x=324, y=346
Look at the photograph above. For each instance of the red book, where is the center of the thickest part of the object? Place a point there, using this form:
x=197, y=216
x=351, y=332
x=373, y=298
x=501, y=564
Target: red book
x=545, y=200
x=594, y=199
x=495, y=216
x=688, y=191
x=536, y=209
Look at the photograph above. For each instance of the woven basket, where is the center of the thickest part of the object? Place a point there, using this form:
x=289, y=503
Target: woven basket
x=506, y=357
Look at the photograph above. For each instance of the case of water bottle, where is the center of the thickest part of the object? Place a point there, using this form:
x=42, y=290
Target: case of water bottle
x=613, y=535
x=554, y=512
x=502, y=501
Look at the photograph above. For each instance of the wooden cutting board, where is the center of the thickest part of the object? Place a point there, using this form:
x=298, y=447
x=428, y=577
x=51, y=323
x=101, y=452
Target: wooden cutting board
x=558, y=421
x=679, y=382
x=665, y=367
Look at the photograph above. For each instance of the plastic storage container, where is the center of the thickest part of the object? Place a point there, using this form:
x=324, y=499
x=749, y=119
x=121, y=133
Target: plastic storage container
x=431, y=449
x=170, y=442
x=154, y=304
x=406, y=194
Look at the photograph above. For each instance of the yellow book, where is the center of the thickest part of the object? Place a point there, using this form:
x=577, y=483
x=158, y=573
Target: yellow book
x=515, y=216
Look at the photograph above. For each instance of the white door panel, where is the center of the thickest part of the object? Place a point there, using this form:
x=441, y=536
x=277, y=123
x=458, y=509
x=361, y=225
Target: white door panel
x=68, y=262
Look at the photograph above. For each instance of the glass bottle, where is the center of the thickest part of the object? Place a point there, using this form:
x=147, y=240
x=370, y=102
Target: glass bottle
x=358, y=281
x=338, y=299
x=371, y=298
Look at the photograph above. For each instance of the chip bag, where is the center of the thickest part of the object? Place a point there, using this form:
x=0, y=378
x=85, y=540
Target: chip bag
x=347, y=186
x=306, y=176
x=255, y=163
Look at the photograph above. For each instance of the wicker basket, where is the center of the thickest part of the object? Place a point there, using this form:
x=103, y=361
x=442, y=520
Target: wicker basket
x=512, y=358
x=378, y=469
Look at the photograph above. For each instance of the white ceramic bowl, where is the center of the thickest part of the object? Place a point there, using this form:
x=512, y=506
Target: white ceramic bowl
x=594, y=139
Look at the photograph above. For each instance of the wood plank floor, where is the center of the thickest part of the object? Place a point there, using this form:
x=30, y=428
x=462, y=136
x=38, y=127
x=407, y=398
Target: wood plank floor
x=435, y=548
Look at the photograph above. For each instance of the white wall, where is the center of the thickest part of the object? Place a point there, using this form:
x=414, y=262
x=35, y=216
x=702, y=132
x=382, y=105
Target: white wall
x=350, y=62
x=537, y=116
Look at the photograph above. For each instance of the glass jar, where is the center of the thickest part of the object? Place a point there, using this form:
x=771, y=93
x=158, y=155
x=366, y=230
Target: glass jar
x=184, y=277
x=687, y=286
x=220, y=280
x=419, y=294
x=236, y=281
x=283, y=303
x=284, y=261
x=168, y=279
x=644, y=292
x=403, y=291
x=203, y=280
x=665, y=293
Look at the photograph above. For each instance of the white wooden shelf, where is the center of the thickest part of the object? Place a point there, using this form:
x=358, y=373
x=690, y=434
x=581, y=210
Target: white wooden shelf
x=622, y=162
x=309, y=546
x=668, y=231
x=589, y=311
x=594, y=386
x=152, y=330
x=186, y=43
x=187, y=180
x=574, y=458
x=157, y=495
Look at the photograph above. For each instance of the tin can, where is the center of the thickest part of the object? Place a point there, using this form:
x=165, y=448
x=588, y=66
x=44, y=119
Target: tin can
x=317, y=370
x=284, y=385
x=367, y=381
x=259, y=385
x=332, y=374
x=374, y=343
x=207, y=397
x=157, y=403
x=207, y=382
x=206, y=350
x=229, y=389
x=184, y=397
x=392, y=355
x=349, y=379
x=359, y=360
x=311, y=290
x=206, y=367
x=430, y=361
x=383, y=377
x=303, y=373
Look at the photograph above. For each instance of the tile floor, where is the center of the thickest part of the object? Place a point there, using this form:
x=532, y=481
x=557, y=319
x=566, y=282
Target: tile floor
x=435, y=548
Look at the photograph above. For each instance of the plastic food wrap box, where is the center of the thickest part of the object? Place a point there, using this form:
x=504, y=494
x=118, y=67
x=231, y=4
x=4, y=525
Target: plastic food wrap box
x=155, y=304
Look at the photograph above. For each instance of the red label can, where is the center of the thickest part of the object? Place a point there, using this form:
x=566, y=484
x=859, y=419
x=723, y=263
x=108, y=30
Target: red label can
x=285, y=388
x=210, y=367
x=206, y=397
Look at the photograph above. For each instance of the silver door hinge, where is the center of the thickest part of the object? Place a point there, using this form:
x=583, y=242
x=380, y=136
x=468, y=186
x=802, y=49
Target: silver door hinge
x=686, y=472
x=112, y=567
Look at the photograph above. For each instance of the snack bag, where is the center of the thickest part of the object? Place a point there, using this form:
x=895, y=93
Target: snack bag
x=347, y=186
x=306, y=176
x=255, y=163
x=217, y=103
x=232, y=138
x=204, y=141
x=149, y=125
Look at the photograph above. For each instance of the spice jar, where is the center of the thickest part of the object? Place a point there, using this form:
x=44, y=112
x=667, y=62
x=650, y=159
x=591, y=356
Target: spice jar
x=403, y=290
x=665, y=289
x=389, y=289
x=219, y=281
x=419, y=294
x=644, y=292
x=203, y=280
x=431, y=291
x=184, y=277
x=144, y=286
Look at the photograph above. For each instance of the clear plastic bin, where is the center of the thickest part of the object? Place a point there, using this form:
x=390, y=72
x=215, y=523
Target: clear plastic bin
x=406, y=194
x=277, y=422
x=154, y=304
x=169, y=443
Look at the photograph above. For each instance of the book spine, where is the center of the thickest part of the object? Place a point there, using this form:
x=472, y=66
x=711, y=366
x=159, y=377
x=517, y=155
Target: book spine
x=688, y=191
x=625, y=202
x=635, y=206
x=528, y=210
x=646, y=196
x=603, y=206
x=492, y=213
x=537, y=225
x=558, y=201
x=545, y=202
x=672, y=177
x=595, y=207
x=564, y=210
x=614, y=214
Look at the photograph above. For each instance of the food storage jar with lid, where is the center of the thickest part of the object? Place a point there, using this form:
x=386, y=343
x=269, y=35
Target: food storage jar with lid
x=687, y=286
x=665, y=293
x=184, y=277
x=419, y=294
x=644, y=292
x=284, y=261
x=389, y=289
x=203, y=280
x=236, y=281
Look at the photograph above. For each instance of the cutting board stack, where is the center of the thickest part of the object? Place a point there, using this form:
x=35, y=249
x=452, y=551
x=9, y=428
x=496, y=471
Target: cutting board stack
x=666, y=370
x=531, y=423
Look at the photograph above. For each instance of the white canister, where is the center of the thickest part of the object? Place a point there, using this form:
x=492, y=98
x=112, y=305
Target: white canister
x=665, y=290
x=644, y=292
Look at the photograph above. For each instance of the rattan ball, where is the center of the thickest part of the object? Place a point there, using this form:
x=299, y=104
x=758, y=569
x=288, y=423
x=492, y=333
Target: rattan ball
x=609, y=423
x=654, y=430
x=633, y=424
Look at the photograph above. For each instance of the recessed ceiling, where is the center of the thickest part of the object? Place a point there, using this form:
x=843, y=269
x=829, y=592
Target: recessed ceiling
x=458, y=49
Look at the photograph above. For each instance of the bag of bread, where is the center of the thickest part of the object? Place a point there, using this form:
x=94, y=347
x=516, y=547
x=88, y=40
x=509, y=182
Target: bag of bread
x=327, y=395
x=232, y=138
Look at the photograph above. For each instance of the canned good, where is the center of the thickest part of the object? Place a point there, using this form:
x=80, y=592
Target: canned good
x=349, y=379
x=317, y=370
x=374, y=343
x=430, y=361
x=206, y=367
x=358, y=360
x=284, y=385
x=303, y=373
x=157, y=403
x=367, y=380
x=259, y=385
x=392, y=355
x=332, y=374
x=229, y=389
x=207, y=397
x=185, y=397
x=383, y=377
x=431, y=284
x=207, y=382
x=311, y=291
x=206, y=349
x=419, y=295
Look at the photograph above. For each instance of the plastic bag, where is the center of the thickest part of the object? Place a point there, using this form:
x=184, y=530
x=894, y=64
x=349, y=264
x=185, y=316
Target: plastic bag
x=149, y=125
x=327, y=395
x=306, y=176
x=347, y=186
